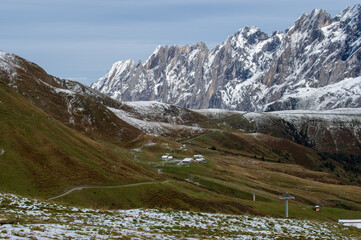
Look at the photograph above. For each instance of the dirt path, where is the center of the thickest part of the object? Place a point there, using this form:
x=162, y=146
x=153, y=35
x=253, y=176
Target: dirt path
x=105, y=187
x=202, y=135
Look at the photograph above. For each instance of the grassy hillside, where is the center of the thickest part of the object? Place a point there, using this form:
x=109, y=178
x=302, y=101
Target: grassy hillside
x=231, y=175
x=44, y=158
x=53, y=140
x=226, y=181
x=41, y=156
x=80, y=112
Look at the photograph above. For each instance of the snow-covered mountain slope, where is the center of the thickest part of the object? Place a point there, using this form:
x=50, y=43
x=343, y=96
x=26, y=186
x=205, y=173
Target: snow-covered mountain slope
x=313, y=65
x=161, y=112
x=346, y=115
x=155, y=127
x=332, y=131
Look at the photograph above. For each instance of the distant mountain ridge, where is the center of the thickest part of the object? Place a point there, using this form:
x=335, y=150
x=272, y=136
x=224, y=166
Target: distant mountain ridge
x=313, y=65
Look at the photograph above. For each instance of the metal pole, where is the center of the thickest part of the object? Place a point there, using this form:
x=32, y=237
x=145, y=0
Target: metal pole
x=286, y=196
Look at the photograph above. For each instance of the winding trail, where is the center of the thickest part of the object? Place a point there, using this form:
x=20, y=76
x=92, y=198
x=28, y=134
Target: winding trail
x=105, y=187
x=202, y=135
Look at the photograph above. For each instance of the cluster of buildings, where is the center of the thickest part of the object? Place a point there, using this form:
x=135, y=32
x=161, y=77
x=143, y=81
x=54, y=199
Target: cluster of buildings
x=195, y=159
x=167, y=157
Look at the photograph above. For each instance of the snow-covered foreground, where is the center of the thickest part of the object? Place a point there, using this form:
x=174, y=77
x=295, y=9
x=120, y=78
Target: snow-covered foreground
x=44, y=220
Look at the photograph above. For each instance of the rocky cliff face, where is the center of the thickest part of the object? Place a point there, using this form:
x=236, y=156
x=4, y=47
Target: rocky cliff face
x=313, y=65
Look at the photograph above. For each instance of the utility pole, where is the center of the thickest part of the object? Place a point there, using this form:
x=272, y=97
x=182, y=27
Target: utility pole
x=254, y=197
x=286, y=196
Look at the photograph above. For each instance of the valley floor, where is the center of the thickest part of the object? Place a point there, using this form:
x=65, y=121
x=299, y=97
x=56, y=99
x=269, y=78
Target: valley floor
x=33, y=219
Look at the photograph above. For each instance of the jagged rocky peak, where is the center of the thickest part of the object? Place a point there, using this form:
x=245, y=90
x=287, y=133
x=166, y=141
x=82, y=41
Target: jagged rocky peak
x=117, y=71
x=275, y=41
x=244, y=37
x=317, y=48
x=162, y=54
x=316, y=19
x=201, y=45
x=350, y=13
x=252, y=35
x=159, y=56
x=254, y=71
x=350, y=23
x=121, y=66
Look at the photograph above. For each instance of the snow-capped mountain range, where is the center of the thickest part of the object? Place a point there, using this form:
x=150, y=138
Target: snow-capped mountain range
x=314, y=65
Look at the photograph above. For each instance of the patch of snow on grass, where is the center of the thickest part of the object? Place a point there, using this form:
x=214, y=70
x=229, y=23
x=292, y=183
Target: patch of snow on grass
x=336, y=115
x=153, y=127
x=46, y=220
x=216, y=113
x=64, y=91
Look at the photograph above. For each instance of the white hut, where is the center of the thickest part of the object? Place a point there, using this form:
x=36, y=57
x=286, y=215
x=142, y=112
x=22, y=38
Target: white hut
x=187, y=161
x=201, y=160
x=350, y=222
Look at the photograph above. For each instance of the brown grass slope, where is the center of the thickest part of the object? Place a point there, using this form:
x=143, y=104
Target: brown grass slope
x=42, y=157
x=77, y=111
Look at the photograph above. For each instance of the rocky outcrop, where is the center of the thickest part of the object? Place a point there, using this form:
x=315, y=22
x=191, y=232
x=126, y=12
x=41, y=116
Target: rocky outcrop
x=313, y=65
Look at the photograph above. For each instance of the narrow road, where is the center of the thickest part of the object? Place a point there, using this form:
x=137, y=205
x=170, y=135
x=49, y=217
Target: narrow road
x=105, y=187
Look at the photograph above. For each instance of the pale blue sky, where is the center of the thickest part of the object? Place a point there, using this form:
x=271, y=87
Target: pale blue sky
x=81, y=39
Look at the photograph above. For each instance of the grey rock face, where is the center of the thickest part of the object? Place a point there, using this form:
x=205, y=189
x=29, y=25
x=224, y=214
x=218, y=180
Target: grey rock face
x=313, y=65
